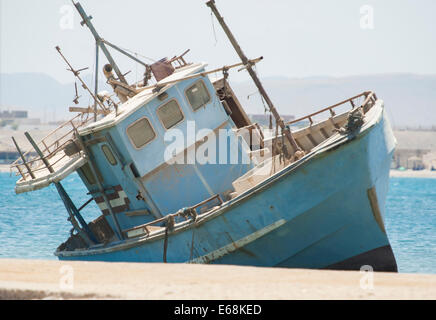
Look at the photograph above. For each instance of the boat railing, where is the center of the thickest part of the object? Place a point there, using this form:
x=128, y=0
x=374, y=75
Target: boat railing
x=50, y=146
x=369, y=96
x=169, y=219
x=255, y=136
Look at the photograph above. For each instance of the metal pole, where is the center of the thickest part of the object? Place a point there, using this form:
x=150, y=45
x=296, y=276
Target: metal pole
x=24, y=159
x=76, y=74
x=87, y=21
x=72, y=211
x=96, y=80
x=124, y=52
x=39, y=152
x=87, y=236
x=248, y=65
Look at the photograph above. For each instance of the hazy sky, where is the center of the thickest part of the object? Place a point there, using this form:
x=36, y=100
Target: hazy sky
x=297, y=38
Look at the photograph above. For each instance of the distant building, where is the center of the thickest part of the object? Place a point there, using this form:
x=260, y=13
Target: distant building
x=14, y=114
x=18, y=117
x=415, y=150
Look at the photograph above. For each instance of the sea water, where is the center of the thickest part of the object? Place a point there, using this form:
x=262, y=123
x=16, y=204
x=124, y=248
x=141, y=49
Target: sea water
x=33, y=225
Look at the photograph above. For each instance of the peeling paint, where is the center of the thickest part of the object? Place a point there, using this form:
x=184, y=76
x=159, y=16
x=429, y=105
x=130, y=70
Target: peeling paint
x=214, y=255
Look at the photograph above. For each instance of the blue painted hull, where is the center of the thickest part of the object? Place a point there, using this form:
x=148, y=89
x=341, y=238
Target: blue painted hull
x=316, y=213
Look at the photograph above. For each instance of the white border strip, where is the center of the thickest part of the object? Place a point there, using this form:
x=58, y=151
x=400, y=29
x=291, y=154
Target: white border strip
x=231, y=247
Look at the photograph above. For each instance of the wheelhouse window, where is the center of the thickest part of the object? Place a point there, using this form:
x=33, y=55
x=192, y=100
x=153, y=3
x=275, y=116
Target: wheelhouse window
x=198, y=95
x=89, y=176
x=140, y=133
x=86, y=171
x=109, y=155
x=170, y=114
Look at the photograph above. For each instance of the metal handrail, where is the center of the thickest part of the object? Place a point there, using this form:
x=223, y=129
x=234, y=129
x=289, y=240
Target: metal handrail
x=58, y=143
x=169, y=216
x=309, y=117
x=48, y=135
x=41, y=167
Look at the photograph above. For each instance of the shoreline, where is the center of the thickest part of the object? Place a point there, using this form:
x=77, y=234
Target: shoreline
x=413, y=174
x=43, y=279
x=5, y=168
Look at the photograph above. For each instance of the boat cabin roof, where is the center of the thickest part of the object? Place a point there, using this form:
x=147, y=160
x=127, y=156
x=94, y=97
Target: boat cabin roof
x=139, y=100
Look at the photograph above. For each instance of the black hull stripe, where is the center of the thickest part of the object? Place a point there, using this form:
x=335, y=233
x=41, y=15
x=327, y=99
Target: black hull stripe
x=380, y=259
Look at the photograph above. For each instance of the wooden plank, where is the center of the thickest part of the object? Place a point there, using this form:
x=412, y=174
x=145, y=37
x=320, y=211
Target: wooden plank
x=87, y=110
x=137, y=213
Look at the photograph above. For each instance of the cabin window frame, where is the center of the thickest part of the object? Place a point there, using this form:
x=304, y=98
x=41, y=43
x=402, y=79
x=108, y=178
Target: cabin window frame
x=164, y=104
x=132, y=124
x=89, y=177
x=86, y=171
x=208, y=93
x=111, y=153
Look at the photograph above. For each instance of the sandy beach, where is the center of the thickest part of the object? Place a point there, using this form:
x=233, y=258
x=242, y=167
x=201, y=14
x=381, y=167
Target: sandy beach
x=5, y=168
x=413, y=174
x=34, y=279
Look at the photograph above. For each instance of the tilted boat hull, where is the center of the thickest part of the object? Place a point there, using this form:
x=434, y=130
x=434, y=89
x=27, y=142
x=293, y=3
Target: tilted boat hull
x=324, y=211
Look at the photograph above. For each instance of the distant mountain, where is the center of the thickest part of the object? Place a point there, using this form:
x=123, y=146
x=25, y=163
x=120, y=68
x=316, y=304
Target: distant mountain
x=410, y=99
x=42, y=95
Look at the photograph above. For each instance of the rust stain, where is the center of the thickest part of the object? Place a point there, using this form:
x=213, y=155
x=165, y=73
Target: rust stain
x=251, y=226
x=248, y=252
x=372, y=196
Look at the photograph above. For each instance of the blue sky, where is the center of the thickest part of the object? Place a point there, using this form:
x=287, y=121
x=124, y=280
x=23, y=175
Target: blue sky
x=297, y=38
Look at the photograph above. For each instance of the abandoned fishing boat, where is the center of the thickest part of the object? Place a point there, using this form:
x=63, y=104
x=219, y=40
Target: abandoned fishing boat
x=181, y=174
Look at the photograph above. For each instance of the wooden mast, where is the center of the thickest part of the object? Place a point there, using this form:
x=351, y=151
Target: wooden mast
x=99, y=40
x=286, y=131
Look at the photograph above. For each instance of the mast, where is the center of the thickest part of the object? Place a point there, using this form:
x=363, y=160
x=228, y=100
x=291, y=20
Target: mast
x=248, y=65
x=99, y=40
x=96, y=80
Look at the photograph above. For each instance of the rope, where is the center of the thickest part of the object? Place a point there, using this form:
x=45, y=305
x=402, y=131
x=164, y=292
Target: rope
x=169, y=227
x=274, y=148
x=213, y=29
x=165, y=246
x=137, y=54
x=191, y=254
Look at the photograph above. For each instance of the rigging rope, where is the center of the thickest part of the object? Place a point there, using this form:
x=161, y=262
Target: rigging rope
x=213, y=29
x=137, y=54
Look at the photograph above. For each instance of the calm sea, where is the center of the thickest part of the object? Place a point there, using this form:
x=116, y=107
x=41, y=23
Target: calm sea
x=33, y=225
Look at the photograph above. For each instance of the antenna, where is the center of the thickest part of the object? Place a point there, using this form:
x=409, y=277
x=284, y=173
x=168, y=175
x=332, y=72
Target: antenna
x=76, y=97
x=77, y=75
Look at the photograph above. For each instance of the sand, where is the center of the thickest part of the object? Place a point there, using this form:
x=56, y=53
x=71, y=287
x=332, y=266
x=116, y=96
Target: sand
x=5, y=168
x=35, y=279
x=413, y=174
